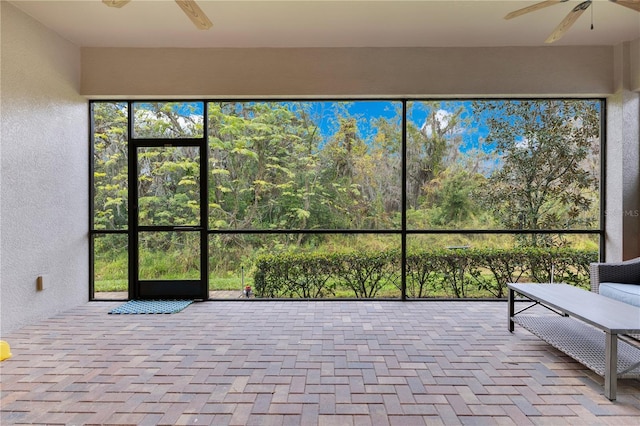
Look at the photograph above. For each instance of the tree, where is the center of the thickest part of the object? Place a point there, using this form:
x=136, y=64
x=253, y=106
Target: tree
x=168, y=177
x=381, y=172
x=453, y=196
x=541, y=181
x=110, y=154
x=263, y=160
x=361, y=170
x=430, y=147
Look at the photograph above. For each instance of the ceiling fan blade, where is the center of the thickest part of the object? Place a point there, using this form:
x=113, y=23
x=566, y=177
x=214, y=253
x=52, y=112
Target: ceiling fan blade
x=533, y=8
x=197, y=16
x=115, y=3
x=631, y=4
x=568, y=21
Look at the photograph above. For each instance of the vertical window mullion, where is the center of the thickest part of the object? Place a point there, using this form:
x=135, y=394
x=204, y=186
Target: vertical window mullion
x=204, y=199
x=403, y=204
x=132, y=226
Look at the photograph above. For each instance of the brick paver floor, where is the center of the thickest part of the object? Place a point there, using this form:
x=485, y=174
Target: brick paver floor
x=299, y=363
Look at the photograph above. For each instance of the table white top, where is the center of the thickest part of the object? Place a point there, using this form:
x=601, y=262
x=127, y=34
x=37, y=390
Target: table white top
x=607, y=314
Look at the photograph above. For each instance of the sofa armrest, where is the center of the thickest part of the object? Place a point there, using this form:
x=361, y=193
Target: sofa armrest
x=627, y=272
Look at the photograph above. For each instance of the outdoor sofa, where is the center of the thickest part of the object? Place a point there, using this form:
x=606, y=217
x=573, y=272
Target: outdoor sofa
x=617, y=280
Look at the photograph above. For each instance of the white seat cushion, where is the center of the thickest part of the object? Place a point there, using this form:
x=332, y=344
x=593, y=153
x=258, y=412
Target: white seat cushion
x=628, y=293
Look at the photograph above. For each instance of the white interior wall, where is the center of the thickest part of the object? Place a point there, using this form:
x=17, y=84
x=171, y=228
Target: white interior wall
x=44, y=173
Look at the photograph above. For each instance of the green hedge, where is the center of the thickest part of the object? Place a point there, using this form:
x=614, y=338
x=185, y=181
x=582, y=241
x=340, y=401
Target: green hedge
x=486, y=272
x=454, y=273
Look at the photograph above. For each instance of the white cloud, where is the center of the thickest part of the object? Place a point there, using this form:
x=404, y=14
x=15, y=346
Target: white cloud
x=442, y=118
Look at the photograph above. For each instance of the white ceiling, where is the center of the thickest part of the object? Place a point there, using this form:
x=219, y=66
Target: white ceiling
x=326, y=23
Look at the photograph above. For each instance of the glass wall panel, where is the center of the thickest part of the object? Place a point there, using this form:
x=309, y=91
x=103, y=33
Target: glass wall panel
x=503, y=164
x=110, y=167
x=169, y=255
x=305, y=165
x=491, y=185
x=305, y=266
x=110, y=266
x=169, y=186
x=168, y=120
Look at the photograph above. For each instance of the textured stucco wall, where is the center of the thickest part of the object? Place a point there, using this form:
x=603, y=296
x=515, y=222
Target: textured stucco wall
x=43, y=214
x=622, y=210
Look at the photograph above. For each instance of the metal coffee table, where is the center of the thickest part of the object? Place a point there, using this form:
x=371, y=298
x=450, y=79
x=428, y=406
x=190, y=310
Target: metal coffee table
x=586, y=329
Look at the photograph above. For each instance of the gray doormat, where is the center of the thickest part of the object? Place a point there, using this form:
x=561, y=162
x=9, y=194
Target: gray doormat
x=151, y=307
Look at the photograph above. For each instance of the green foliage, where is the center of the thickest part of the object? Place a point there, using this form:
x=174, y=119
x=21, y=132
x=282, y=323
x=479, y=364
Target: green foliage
x=366, y=273
x=505, y=266
x=111, y=262
x=169, y=186
x=428, y=146
x=272, y=169
x=311, y=275
x=110, y=156
x=297, y=275
x=453, y=273
x=548, y=178
x=452, y=195
x=169, y=120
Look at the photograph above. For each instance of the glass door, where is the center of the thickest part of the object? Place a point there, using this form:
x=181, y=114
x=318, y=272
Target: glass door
x=169, y=239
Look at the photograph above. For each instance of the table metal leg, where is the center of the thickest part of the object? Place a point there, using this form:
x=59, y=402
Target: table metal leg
x=611, y=366
x=510, y=298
